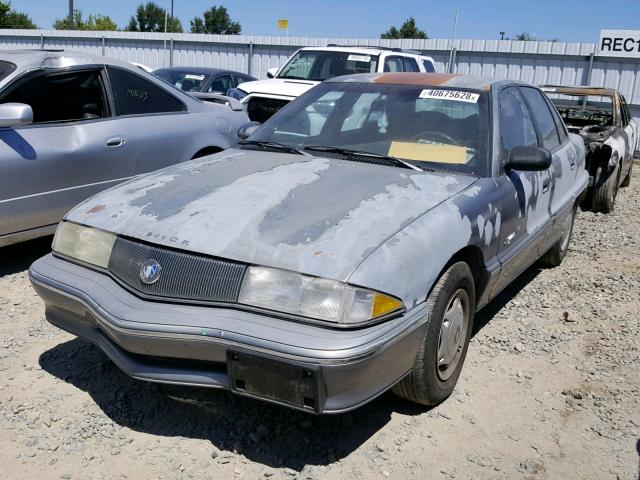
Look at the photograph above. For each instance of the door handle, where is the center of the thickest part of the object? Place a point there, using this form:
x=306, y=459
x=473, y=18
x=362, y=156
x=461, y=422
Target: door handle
x=115, y=142
x=545, y=186
x=572, y=163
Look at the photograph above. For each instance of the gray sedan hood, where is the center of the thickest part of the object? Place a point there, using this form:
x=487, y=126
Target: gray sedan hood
x=314, y=215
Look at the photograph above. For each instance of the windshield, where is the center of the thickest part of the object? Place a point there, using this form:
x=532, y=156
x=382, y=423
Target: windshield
x=437, y=128
x=320, y=65
x=583, y=110
x=186, y=81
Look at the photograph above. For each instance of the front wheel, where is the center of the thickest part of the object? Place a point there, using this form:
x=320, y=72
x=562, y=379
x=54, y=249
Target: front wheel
x=451, y=307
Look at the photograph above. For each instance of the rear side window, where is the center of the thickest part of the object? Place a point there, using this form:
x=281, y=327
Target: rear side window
x=560, y=126
x=516, y=126
x=400, y=64
x=542, y=118
x=624, y=110
x=428, y=66
x=135, y=95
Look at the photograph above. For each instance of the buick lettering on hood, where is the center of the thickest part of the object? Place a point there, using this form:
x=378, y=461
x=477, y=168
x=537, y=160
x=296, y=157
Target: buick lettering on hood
x=340, y=251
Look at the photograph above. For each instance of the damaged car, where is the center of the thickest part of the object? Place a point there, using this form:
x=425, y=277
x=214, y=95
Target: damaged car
x=74, y=124
x=317, y=269
x=601, y=117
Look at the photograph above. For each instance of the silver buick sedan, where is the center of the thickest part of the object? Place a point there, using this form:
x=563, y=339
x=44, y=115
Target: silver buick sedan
x=73, y=124
x=342, y=250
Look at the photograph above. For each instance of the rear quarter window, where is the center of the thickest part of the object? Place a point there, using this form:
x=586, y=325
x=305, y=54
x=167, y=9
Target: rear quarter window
x=135, y=95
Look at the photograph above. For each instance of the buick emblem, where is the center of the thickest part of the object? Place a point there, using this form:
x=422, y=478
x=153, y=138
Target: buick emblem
x=150, y=271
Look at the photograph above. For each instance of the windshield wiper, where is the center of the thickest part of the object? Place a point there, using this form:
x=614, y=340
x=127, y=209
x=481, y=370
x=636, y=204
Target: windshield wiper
x=272, y=145
x=349, y=154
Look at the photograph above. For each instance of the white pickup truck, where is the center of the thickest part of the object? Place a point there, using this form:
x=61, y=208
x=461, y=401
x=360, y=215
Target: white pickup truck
x=312, y=65
x=601, y=117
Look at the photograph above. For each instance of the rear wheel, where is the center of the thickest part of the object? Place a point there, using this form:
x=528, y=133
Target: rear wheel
x=557, y=252
x=451, y=307
x=627, y=180
x=605, y=188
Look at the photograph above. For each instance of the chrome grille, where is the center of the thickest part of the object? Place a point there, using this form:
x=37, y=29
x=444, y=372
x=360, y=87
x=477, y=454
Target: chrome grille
x=183, y=276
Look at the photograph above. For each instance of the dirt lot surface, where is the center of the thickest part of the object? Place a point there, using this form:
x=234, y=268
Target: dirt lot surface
x=550, y=390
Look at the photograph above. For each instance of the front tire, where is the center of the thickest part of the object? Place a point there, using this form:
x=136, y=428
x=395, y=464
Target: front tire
x=451, y=307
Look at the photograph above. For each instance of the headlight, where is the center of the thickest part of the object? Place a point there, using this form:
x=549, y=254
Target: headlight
x=316, y=298
x=236, y=93
x=87, y=244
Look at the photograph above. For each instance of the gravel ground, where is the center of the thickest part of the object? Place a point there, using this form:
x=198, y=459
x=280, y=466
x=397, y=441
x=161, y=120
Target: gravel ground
x=550, y=389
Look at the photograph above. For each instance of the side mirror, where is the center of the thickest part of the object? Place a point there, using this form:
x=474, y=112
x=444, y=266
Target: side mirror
x=271, y=73
x=248, y=129
x=528, y=159
x=15, y=114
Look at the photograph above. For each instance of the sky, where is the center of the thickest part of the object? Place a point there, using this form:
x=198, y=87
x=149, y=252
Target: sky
x=564, y=20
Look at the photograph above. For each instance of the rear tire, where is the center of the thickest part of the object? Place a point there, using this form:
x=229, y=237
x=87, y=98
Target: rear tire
x=605, y=189
x=451, y=307
x=627, y=180
x=557, y=252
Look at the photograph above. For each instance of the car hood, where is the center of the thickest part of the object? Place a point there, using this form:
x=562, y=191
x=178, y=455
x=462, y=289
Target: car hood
x=278, y=86
x=315, y=215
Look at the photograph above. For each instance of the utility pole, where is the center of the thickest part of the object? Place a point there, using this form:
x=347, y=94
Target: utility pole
x=171, y=9
x=70, y=14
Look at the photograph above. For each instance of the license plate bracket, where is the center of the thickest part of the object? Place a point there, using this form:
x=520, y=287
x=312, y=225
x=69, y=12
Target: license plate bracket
x=291, y=383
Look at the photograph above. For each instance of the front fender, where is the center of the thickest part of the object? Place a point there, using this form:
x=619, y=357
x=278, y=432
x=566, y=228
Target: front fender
x=410, y=262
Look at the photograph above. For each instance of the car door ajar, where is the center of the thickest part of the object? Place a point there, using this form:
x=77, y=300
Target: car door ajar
x=71, y=151
x=525, y=195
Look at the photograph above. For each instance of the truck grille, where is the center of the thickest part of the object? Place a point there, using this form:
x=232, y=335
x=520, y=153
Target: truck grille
x=260, y=109
x=183, y=276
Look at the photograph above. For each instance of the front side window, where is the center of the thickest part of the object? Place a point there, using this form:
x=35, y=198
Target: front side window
x=135, y=95
x=516, y=126
x=445, y=129
x=62, y=97
x=542, y=117
x=320, y=65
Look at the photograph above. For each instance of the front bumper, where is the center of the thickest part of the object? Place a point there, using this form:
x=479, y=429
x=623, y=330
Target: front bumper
x=308, y=367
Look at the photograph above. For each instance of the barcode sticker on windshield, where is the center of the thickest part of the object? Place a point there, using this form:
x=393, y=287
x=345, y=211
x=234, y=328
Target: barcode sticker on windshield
x=358, y=58
x=455, y=95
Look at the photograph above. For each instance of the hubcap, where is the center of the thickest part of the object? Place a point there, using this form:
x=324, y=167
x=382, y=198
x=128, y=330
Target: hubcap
x=453, y=334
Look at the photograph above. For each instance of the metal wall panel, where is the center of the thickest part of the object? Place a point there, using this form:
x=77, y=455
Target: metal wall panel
x=533, y=62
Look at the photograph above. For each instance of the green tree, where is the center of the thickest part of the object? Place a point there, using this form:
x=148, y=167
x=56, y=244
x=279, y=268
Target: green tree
x=524, y=37
x=93, y=22
x=12, y=19
x=216, y=20
x=150, y=17
x=407, y=30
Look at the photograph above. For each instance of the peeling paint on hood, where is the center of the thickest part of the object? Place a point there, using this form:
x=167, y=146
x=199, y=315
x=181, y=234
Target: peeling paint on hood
x=315, y=215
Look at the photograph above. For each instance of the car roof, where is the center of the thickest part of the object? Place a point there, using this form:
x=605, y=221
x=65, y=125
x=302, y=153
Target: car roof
x=581, y=90
x=27, y=58
x=199, y=70
x=426, y=80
